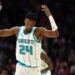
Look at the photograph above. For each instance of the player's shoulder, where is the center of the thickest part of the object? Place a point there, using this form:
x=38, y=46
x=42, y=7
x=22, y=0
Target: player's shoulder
x=19, y=27
x=14, y=28
x=40, y=28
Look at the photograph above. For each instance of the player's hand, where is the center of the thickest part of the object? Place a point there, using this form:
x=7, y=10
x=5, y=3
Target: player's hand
x=0, y=6
x=46, y=10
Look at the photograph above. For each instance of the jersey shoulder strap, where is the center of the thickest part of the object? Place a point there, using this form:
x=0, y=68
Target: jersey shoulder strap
x=35, y=36
x=20, y=30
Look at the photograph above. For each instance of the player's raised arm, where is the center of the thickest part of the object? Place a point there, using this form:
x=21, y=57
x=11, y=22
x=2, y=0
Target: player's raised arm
x=46, y=59
x=9, y=32
x=49, y=33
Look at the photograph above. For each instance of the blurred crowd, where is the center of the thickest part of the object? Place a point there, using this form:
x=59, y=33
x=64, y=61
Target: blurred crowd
x=60, y=50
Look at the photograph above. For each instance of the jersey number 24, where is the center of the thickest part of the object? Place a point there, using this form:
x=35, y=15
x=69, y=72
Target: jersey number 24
x=24, y=49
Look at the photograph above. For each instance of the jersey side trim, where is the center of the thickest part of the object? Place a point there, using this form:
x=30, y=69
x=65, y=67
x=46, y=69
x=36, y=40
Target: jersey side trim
x=44, y=72
x=22, y=64
x=35, y=37
x=18, y=31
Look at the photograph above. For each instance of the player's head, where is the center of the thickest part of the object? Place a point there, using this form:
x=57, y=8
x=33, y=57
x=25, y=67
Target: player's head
x=30, y=21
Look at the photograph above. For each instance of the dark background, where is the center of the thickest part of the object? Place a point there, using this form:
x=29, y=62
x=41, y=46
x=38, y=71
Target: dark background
x=60, y=50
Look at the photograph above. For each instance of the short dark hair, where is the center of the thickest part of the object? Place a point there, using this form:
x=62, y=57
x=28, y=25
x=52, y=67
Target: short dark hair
x=31, y=16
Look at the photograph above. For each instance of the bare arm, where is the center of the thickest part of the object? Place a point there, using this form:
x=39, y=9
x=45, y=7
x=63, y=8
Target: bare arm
x=47, y=61
x=49, y=33
x=9, y=32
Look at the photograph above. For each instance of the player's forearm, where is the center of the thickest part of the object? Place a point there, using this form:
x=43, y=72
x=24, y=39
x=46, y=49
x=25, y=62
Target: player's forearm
x=55, y=33
x=4, y=33
x=45, y=70
x=53, y=25
x=50, y=66
x=47, y=61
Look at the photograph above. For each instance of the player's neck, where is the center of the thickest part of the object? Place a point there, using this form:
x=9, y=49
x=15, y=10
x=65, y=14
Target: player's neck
x=26, y=32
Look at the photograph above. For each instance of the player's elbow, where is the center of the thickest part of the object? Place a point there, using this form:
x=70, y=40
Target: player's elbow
x=56, y=34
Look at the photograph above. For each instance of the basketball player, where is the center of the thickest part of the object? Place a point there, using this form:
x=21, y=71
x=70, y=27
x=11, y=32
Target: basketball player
x=28, y=45
x=46, y=64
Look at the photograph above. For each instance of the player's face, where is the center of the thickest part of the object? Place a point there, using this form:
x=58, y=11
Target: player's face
x=29, y=24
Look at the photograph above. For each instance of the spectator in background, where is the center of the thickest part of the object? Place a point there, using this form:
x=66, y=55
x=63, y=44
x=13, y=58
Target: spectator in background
x=61, y=68
x=72, y=70
x=3, y=57
x=1, y=65
x=4, y=72
x=61, y=72
x=71, y=57
x=13, y=68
